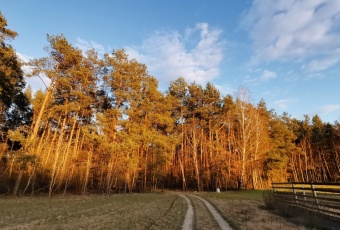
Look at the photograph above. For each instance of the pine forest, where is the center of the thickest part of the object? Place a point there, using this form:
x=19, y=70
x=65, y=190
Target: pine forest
x=102, y=126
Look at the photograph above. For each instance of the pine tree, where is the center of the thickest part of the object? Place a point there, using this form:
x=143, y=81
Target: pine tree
x=282, y=145
x=14, y=105
x=15, y=111
x=178, y=95
x=64, y=111
x=212, y=120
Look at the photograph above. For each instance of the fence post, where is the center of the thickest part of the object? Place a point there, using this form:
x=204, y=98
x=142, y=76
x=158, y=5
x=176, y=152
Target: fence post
x=315, y=196
x=304, y=193
x=294, y=191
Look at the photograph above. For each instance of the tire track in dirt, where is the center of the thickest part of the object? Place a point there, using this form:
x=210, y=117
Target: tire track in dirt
x=188, y=223
x=209, y=210
x=217, y=216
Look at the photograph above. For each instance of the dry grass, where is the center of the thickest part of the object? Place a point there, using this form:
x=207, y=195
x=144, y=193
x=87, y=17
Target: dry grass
x=203, y=218
x=246, y=210
x=242, y=209
x=136, y=211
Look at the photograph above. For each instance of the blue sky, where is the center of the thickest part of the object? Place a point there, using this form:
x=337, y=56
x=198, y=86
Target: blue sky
x=284, y=51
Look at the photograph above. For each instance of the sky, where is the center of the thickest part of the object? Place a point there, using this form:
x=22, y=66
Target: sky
x=286, y=52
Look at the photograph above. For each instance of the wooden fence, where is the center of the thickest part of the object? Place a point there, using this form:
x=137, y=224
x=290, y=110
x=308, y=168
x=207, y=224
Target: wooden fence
x=322, y=198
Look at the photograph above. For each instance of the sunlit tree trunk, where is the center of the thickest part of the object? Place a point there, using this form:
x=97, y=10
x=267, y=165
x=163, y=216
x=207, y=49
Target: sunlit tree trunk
x=57, y=152
x=195, y=157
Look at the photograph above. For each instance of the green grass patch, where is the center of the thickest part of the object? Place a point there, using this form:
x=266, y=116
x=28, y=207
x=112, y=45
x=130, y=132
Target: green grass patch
x=235, y=195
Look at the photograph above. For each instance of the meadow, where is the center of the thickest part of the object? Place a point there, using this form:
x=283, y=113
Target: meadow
x=122, y=211
x=246, y=210
x=158, y=210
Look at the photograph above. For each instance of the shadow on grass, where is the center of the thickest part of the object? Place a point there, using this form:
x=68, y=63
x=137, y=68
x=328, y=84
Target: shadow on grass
x=297, y=215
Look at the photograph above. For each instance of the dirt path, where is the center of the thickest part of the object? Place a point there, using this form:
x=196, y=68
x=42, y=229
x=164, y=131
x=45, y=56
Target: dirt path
x=201, y=216
x=188, y=223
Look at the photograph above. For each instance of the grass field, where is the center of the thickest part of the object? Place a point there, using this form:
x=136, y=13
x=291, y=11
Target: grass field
x=246, y=210
x=135, y=211
x=163, y=210
x=236, y=195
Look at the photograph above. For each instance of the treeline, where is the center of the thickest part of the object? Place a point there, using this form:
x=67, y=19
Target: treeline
x=102, y=125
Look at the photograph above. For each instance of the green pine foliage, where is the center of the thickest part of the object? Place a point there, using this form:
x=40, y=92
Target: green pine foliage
x=103, y=126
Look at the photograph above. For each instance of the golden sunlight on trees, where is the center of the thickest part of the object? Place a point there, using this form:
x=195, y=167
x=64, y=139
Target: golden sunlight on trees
x=103, y=126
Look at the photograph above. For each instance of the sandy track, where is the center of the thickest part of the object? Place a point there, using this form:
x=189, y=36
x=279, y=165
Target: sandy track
x=188, y=223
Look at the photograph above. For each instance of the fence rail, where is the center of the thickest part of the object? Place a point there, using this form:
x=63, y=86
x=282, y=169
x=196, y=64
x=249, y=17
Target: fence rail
x=323, y=198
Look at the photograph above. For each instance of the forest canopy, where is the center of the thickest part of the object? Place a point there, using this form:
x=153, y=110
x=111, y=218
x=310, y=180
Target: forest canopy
x=102, y=125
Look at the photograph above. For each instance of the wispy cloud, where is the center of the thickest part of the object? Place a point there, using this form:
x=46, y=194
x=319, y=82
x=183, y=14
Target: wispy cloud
x=36, y=83
x=265, y=76
x=322, y=64
x=225, y=89
x=295, y=30
x=24, y=58
x=327, y=109
x=277, y=92
x=282, y=104
x=169, y=54
x=85, y=45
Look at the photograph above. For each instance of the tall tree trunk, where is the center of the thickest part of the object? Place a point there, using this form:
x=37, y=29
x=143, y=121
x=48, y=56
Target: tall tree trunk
x=194, y=152
x=88, y=168
x=184, y=184
x=68, y=147
x=17, y=182
x=41, y=112
x=56, y=158
x=181, y=157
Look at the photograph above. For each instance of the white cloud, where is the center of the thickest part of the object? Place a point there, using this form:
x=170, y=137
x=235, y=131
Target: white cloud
x=278, y=91
x=327, y=109
x=266, y=76
x=294, y=30
x=322, y=64
x=85, y=45
x=168, y=57
x=36, y=83
x=225, y=89
x=282, y=104
x=315, y=75
x=24, y=58
x=327, y=112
